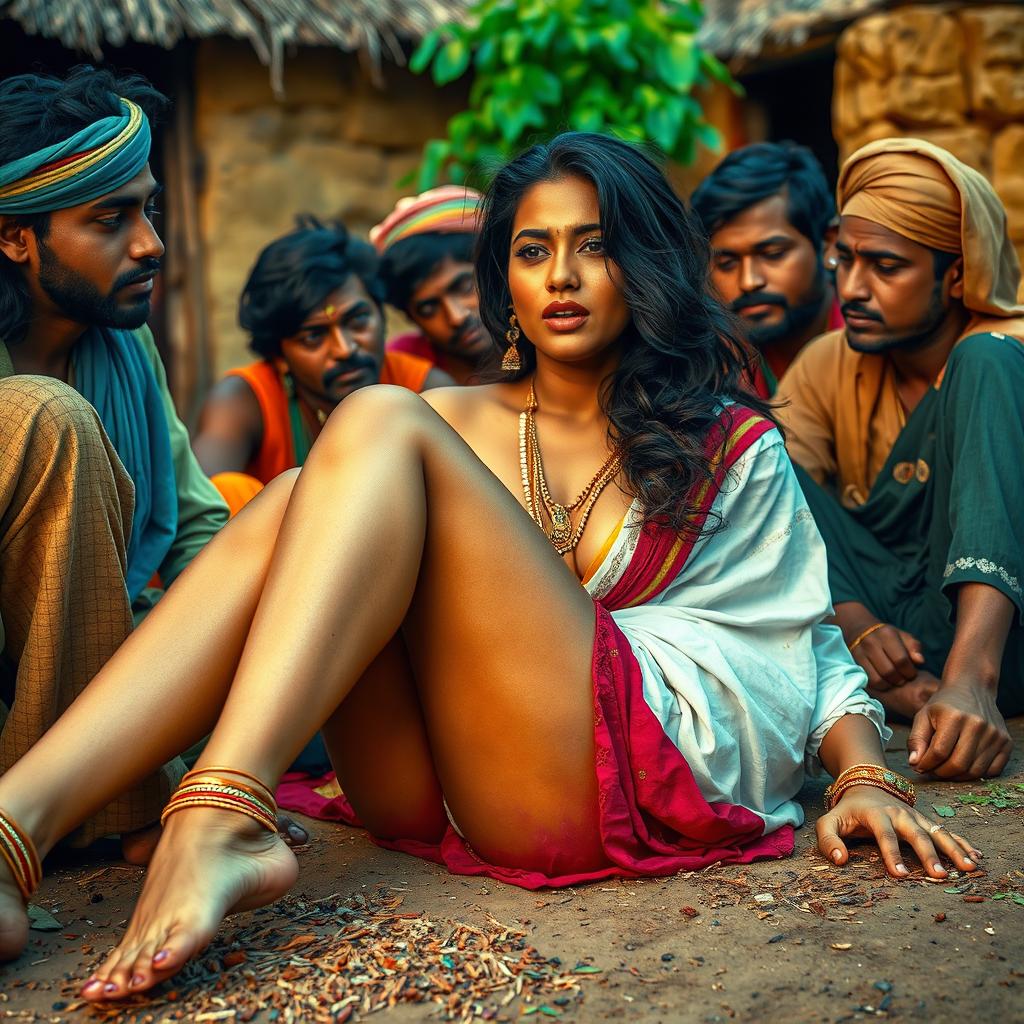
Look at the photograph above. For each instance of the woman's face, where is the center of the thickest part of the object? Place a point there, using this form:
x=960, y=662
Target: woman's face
x=562, y=285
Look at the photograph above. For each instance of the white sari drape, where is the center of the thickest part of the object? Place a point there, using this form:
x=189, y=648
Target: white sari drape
x=738, y=666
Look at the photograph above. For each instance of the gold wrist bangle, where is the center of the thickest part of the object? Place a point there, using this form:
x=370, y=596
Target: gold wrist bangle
x=863, y=636
x=870, y=775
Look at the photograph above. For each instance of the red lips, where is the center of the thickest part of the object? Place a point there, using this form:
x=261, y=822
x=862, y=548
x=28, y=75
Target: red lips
x=565, y=309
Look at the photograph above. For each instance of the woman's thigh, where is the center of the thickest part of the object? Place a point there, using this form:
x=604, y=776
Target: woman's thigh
x=500, y=637
x=378, y=746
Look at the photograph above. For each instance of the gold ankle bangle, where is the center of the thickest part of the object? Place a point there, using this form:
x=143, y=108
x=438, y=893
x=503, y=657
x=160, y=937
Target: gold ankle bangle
x=225, y=795
x=19, y=852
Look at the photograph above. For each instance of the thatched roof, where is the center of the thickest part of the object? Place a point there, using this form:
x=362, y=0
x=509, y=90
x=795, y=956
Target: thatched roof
x=745, y=28
x=374, y=26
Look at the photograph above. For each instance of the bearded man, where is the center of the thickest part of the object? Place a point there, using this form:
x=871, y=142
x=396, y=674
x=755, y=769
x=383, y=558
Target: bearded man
x=99, y=490
x=770, y=218
x=313, y=307
x=908, y=424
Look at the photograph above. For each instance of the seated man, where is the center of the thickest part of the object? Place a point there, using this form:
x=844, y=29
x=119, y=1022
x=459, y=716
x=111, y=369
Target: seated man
x=426, y=246
x=769, y=215
x=913, y=418
x=99, y=489
x=313, y=309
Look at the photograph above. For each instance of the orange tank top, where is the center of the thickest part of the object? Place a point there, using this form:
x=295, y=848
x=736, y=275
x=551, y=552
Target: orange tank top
x=277, y=450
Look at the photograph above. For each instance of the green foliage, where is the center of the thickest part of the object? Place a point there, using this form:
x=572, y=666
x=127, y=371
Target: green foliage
x=539, y=67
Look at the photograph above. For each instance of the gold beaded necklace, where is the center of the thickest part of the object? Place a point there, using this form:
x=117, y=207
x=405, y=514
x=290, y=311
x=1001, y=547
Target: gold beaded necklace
x=555, y=519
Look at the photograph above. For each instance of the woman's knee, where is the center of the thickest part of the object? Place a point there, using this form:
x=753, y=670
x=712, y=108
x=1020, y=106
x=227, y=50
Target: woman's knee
x=258, y=522
x=382, y=414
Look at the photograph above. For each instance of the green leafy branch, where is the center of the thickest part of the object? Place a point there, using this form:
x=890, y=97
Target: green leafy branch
x=629, y=67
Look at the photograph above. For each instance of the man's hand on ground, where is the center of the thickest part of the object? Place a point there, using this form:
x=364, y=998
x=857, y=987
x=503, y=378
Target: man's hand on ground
x=959, y=734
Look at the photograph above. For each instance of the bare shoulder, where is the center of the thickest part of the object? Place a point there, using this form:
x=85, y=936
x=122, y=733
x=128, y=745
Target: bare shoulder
x=471, y=408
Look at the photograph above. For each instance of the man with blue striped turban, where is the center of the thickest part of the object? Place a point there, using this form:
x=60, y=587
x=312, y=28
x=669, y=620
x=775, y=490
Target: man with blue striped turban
x=99, y=491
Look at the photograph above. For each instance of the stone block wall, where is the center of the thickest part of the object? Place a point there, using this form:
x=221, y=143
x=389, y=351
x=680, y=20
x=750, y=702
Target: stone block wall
x=336, y=145
x=949, y=73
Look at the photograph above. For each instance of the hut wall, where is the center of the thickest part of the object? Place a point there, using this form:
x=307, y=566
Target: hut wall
x=336, y=145
x=953, y=75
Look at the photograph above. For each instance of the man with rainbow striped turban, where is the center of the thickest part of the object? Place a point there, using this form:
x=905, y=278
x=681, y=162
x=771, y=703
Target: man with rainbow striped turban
x=909, y=425
x=99, y=490
x=426, y=246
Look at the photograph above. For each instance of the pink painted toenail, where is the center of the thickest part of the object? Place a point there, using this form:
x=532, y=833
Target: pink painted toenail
x=161, y=956
x=91, y=985
x=110, y=987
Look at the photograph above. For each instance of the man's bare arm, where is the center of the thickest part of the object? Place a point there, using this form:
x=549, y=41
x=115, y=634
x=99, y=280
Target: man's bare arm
x=230, y=428
x=959, y=733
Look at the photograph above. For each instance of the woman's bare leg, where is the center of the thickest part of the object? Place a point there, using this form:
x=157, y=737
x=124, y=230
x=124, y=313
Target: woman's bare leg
x=160, y=692
x=393, y=511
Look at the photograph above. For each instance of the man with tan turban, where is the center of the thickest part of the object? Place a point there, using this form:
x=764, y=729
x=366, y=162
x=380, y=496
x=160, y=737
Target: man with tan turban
x=908, y=425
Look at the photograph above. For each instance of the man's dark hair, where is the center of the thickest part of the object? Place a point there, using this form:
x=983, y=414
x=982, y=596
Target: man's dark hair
x=680, y=357
x=942, y=261
x=760, y=171
x=409, y=262
x=37, y=111
x=294, y=274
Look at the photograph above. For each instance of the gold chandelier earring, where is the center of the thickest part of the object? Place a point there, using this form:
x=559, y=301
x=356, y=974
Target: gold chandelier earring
x=510, y=362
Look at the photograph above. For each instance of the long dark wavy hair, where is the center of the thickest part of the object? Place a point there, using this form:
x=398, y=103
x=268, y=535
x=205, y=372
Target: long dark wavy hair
x=36, y=111
x=682, y=355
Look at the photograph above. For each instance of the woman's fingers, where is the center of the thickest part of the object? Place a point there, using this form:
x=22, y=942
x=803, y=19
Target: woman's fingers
x=955, y=848
x=882, y=828
x=969, y=848
x=913, y=828
x=829, y=843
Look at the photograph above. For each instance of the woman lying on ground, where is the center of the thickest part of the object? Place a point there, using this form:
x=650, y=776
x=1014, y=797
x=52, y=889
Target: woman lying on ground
x=632, y=688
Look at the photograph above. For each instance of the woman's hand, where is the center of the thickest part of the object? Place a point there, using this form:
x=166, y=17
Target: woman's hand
x=866, y=811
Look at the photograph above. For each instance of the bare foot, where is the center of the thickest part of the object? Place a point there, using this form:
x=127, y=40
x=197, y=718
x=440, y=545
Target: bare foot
x=906, y=700
x=208, y=864
x=13, y=919
x=137, y=847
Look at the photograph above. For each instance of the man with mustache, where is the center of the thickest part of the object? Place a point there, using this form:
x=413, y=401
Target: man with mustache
x=769, y=215
x=426, y=247
x=313, y=310
x=99, y=490
x=909, y=425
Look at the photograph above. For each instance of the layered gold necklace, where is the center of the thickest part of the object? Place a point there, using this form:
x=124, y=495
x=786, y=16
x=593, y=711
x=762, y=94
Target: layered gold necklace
x=554, y=519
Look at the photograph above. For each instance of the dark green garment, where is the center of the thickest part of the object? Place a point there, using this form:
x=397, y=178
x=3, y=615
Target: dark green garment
x=947, y=508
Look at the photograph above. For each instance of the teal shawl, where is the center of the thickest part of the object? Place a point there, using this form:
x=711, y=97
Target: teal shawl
x=112, y=372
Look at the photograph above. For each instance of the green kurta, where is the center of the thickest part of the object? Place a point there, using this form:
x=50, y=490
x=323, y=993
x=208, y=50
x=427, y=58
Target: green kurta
x=201, y=509
x=946, y=509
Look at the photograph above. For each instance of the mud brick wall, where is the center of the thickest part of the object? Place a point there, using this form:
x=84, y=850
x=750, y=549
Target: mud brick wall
x=949, y=73
x=335, y=145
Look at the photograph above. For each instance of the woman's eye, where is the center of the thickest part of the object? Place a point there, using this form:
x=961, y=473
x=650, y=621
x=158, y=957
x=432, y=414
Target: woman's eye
x=593, y=245
x=530, y=252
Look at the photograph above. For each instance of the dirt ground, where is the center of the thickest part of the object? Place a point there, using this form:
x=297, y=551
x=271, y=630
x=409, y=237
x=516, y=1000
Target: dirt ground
x=791, y=941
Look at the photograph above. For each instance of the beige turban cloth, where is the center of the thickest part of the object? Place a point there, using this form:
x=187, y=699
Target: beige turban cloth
x=924, y=193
